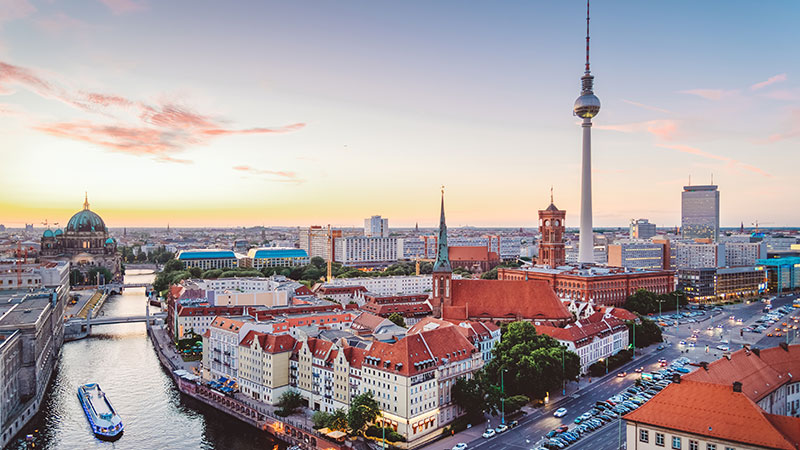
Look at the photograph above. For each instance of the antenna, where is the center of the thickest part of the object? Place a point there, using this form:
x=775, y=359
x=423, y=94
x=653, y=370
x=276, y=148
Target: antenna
x=712, y=178
x=551, y=194
x=587, y=37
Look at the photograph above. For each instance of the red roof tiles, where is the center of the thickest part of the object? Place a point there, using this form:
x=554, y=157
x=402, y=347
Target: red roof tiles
x=418, y=353
x=715, y=411
x=758, y=379
x=515, y=300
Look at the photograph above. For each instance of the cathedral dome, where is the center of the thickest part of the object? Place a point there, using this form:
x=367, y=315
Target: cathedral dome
x=110, y=241
x=85, y=220
x=48, y=233
x=58, y=232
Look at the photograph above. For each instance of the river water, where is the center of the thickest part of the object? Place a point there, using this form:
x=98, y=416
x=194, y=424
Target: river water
x=122, y=360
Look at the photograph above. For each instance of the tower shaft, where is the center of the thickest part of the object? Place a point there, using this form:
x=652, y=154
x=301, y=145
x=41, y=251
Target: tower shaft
x=586, y=240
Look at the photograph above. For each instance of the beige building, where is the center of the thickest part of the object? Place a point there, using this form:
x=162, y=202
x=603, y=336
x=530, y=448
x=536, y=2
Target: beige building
x=263, y=372
x=693, y=415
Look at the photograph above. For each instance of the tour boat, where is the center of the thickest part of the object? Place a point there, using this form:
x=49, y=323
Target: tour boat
x=106, y=423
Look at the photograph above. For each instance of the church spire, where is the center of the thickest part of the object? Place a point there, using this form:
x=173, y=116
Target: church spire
x=86, y=201
x=442, y=263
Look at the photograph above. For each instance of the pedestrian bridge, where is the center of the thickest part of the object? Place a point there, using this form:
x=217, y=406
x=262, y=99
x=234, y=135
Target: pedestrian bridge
x=117, y=288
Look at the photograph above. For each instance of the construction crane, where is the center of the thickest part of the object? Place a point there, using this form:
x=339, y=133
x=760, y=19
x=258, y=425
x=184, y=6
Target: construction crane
x=330, y=256
x=756, y=223
x=418, y=259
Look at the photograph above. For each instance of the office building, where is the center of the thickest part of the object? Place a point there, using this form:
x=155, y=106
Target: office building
x=636, y=254
x=740, y=254
x=209, y=258
x=696, y=255
x=700, y=212
x=376, y=226
x=360, y=251
x=711, y=284
x=318, y=241
x=258, y=258
x=783, y=274
x=642, y=229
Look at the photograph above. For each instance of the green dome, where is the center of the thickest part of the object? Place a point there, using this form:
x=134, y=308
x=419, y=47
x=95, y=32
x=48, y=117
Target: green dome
x=48, y=233
x=85, y=220
x=58, y=232
x=109, y=241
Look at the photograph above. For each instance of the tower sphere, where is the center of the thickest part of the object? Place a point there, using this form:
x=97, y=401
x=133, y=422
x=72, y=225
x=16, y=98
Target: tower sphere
x=586, y=106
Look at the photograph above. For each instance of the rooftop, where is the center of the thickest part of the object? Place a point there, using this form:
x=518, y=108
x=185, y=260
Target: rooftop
x=276, y=252
x=717, y=412
x=206, y=254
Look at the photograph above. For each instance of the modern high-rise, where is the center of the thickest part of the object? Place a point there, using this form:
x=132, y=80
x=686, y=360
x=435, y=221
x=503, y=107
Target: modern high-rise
x=700, y=212
x=636, y=254
x=376, y=226
x=315, y=241
x=361, y=251
x=642, y=229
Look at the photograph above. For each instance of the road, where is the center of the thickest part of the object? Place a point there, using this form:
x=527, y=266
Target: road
x=535, y=425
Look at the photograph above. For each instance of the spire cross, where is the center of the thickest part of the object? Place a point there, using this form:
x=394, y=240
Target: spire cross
x=86, y=200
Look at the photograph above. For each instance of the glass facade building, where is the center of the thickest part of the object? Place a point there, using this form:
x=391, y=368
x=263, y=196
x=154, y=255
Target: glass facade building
x=700, y=212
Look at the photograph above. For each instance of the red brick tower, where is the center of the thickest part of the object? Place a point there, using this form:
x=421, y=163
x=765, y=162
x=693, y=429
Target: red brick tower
x=551, y=226
x=442, y=270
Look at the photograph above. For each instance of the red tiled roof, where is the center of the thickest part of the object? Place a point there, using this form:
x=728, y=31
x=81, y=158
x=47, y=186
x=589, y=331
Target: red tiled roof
x=418, y=353
x=714, y=411
x=318, y=347
x=276, y=343
x=787, y=425
x=619, y=313
x=367, y=321
x=355, y=356
x=784, y=361
x=757, y=378
x=330, y=290
x=404, y=309
x=530, y=300
x=477, y=253
x=227, y=324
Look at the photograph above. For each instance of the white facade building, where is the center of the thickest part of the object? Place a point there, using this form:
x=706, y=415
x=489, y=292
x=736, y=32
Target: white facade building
x=396, y=285
x=367, y=251
x=376, y=226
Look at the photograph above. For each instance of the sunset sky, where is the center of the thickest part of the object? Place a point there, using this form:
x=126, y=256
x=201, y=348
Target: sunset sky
x=296, y=113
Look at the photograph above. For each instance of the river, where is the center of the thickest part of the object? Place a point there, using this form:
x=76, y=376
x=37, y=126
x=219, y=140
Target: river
x=122, y=360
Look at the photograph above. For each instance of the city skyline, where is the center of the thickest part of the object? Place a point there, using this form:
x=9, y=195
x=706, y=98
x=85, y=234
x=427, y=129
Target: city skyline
x=303, y=120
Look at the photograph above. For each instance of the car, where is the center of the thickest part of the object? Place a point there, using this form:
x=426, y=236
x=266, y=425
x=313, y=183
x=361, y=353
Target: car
x=578, y=420
x=586, y=415
x=622, y=374
x=460, y=446
x=489, y=433
x=682, y=342
x=692, y=344
x=779, y=334
x=513, y=424
x=501, y=428
x=551, y=433
x=562, y=428
x=560, y=412
x=554, y=443
x=722, y=347
x=769, y=334
x=639, y=370
x=661, y=347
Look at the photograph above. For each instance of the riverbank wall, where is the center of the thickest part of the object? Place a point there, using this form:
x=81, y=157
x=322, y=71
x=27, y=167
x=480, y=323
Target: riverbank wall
x=282, y=429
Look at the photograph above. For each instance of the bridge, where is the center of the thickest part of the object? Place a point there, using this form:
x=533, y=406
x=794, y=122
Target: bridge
x=116, y=288
x=103, y=320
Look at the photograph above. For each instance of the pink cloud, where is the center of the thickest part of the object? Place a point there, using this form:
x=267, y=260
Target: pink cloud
x=710, y=94
x=794, y=130
x=283, y=176
x=647, y=107
x=157, y=130
x=729, y=161
x=783, y=94
x=771, y=80
x=123, y=6
x=665, y=129
x=60, y=23
x=15, y=9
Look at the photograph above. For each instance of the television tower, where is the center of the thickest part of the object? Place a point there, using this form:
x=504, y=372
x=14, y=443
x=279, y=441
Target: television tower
x=586, y=107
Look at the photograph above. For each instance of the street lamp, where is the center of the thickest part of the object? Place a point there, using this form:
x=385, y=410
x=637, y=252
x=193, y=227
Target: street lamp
x=677, y=310
x=502, y=398
x=563, y=380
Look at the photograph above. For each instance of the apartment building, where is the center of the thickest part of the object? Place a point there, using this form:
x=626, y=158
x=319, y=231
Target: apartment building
x=592, y=339
x=264, y=365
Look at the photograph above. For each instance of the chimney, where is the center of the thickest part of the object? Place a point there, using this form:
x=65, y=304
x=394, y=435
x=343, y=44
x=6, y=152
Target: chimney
x=704, y=365
x=676, y=378
x=737, y=386
x=757, y=351
x=784, y=346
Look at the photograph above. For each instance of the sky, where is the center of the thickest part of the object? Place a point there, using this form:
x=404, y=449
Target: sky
x=208, y=113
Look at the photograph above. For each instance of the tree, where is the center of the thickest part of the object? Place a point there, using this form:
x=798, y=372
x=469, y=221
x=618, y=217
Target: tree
x=490, y=275
x=75, y=277
x=321, y=419
x=647, y=332
x=397, y=319
x=105, y=276
x=173, y=265
x=468, y=394
x=196, y=272
x=338, y=420
x=318, y=262
x=532, y=364
x=642, y=301
x=363, y=410
x=515, y=403
x=289, y=401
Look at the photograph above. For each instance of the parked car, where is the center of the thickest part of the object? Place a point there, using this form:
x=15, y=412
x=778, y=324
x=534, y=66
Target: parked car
x=489, y=433
x=460, y=446
x=560, y=412
x=513, y=424
x=501, y=428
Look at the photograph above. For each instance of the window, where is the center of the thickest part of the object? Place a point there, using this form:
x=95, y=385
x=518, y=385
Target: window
x=730, y=448
x=676, y=442
x=711, y=446
x=643, y=436
x=692, y=444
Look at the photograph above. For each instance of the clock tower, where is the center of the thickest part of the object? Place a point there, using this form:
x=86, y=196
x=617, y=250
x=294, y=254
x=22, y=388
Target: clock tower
x=551, y=227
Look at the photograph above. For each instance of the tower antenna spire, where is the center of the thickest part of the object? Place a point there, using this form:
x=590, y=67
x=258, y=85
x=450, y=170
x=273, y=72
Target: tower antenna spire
x=86, y=200
x=587, y=37
x=551, y=194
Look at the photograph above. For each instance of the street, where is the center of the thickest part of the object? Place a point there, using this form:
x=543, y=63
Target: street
x=533, y=426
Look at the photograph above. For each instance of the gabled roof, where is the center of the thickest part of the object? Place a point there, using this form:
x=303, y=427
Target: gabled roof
x=354, y=356
x=420, y=352
x=318, y=348
x=367, y=321
x=758, y=379
x=529, y=300
x=715, y=411
x=471, y=253
x=404, y=309
x=785, y=359
x=226, y=324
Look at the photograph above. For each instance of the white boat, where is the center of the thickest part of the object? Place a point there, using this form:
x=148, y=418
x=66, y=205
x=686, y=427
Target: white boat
x=105, y=422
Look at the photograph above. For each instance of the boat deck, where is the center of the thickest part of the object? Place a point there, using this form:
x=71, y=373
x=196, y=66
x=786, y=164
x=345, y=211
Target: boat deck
x=98, y=402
